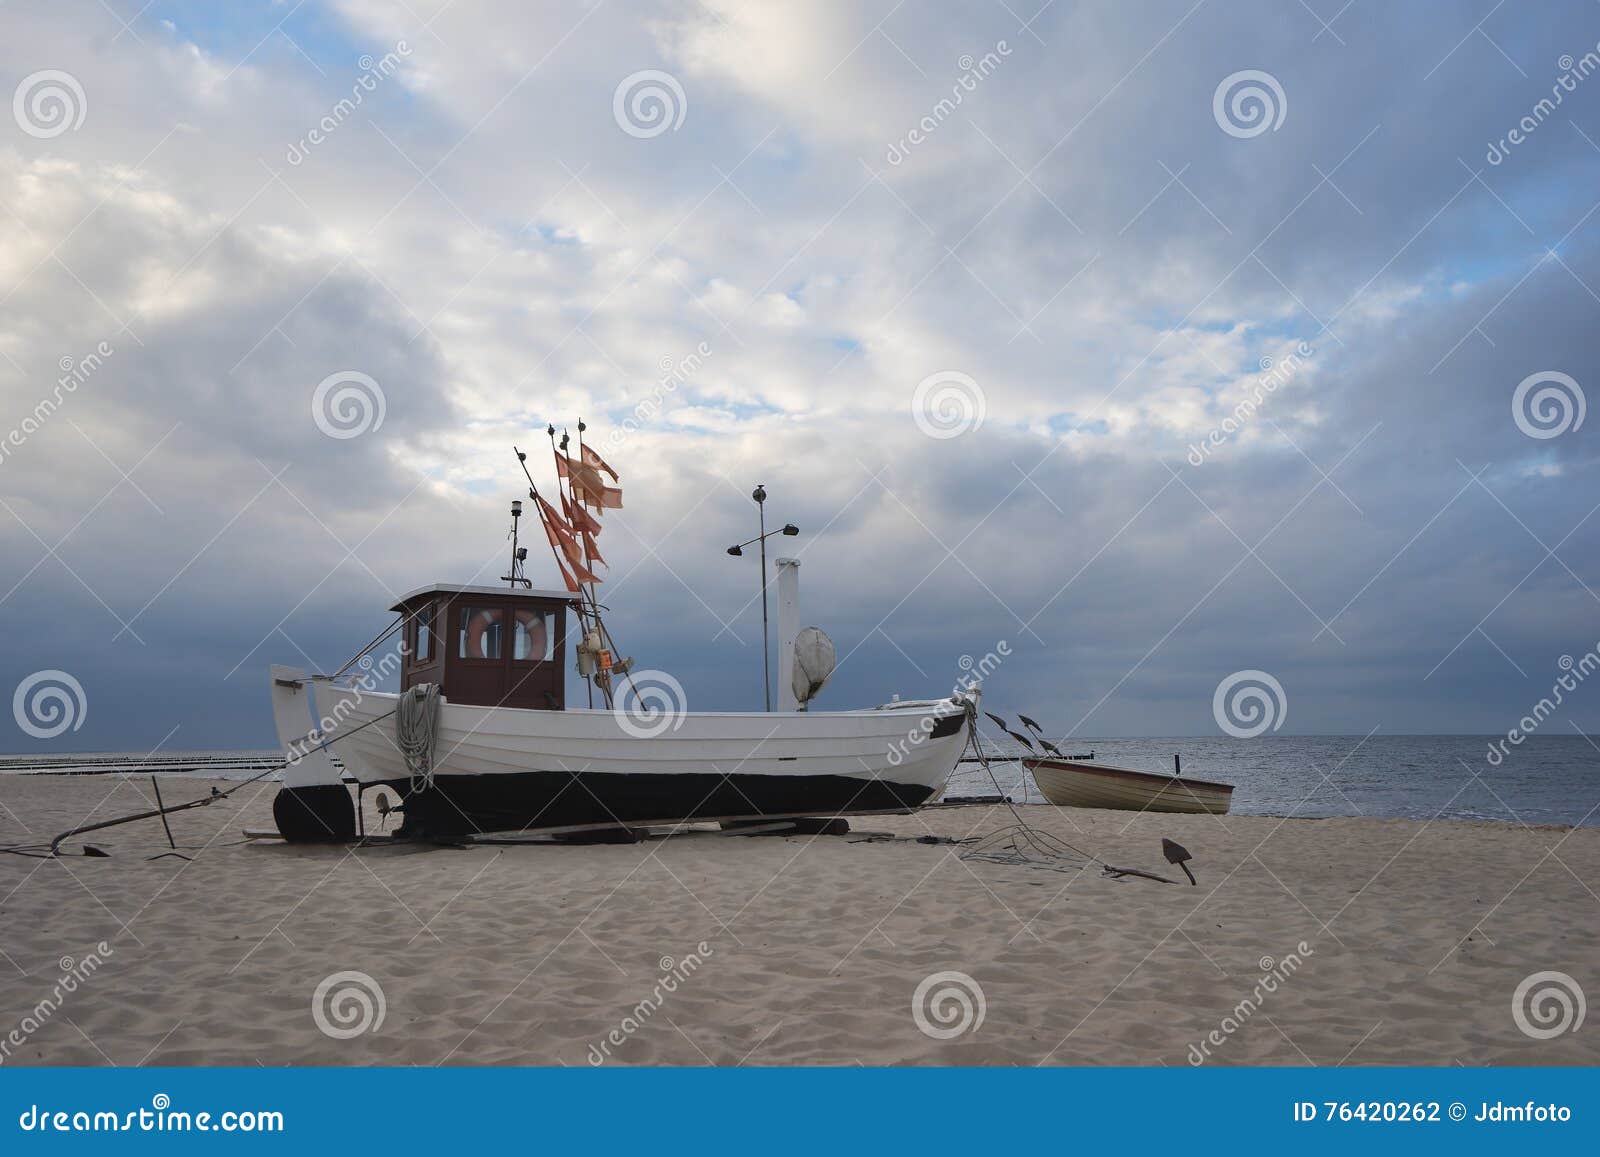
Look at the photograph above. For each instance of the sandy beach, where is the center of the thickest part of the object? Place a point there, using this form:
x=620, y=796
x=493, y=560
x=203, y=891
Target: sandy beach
x=1350, y=941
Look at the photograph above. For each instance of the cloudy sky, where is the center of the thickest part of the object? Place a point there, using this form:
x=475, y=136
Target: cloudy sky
x=976, y=289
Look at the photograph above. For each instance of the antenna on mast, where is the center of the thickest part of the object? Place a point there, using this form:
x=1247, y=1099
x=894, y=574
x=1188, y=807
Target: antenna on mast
x=519, y=553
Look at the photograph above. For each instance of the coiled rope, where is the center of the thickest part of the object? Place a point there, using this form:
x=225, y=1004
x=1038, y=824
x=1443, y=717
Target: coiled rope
x=416, y=731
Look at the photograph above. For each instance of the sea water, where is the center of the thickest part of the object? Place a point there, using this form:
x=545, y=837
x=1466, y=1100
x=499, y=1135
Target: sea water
x=1548, y=779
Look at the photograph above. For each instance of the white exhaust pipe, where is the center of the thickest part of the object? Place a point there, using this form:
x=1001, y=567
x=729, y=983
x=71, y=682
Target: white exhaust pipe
x=788, y=628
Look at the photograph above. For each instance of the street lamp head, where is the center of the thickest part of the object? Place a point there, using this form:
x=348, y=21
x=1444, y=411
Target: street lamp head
x=759, y=493
x=791, y=529
x=735, y=551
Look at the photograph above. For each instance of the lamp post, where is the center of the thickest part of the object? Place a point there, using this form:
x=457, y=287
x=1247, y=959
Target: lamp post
x=519, y=554
x=759, y=495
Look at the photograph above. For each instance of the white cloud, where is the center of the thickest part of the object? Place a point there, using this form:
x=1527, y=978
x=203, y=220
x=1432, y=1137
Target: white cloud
x=483, y=240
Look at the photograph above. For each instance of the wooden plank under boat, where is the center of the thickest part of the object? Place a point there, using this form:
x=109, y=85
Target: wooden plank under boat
x=1082, y=783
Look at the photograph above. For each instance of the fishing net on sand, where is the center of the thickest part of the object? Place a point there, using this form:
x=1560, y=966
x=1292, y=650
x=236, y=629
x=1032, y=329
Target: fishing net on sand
x=1020, y=844
x=1024, y=845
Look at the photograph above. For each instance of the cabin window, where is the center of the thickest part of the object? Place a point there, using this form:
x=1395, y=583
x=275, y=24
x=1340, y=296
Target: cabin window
x=422, y=635
x=532, y=640
x=480, y=633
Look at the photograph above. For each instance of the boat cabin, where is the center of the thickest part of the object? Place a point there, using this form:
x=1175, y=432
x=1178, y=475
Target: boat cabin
x=488, y=646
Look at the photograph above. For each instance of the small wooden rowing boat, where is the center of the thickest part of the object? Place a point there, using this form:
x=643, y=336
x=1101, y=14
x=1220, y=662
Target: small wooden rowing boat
x=1081, y=783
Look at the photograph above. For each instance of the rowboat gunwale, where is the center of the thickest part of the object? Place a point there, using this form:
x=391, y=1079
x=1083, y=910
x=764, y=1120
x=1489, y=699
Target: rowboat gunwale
x=1111, y=771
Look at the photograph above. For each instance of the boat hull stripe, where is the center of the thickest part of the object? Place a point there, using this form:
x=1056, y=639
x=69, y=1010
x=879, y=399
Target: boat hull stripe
x=464, y=804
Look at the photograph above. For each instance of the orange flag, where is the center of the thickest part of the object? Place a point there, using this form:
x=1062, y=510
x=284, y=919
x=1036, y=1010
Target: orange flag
x=596, y=495
x=590, y=458
x=562, y=538
x=587, y=485
x=581, y=521
x=555, y=545
x=579, y=518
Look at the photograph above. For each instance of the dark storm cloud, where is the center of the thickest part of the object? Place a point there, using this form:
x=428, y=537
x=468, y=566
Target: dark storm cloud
x=1080, y=237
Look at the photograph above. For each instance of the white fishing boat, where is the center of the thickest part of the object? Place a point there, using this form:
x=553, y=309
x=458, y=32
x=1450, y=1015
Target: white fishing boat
x=480, y=738
x=1084, y=783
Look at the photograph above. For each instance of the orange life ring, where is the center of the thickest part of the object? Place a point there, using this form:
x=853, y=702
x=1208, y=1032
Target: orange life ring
x=477, y=628
x=538, y=636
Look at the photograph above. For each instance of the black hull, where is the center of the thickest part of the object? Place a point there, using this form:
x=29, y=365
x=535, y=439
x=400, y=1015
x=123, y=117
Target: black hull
x=460, y=805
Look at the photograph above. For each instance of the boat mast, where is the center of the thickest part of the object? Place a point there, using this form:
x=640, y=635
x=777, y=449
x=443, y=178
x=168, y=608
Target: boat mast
x=620, y=668
x=533, y=493
x=588, y=562
x=519, y=554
